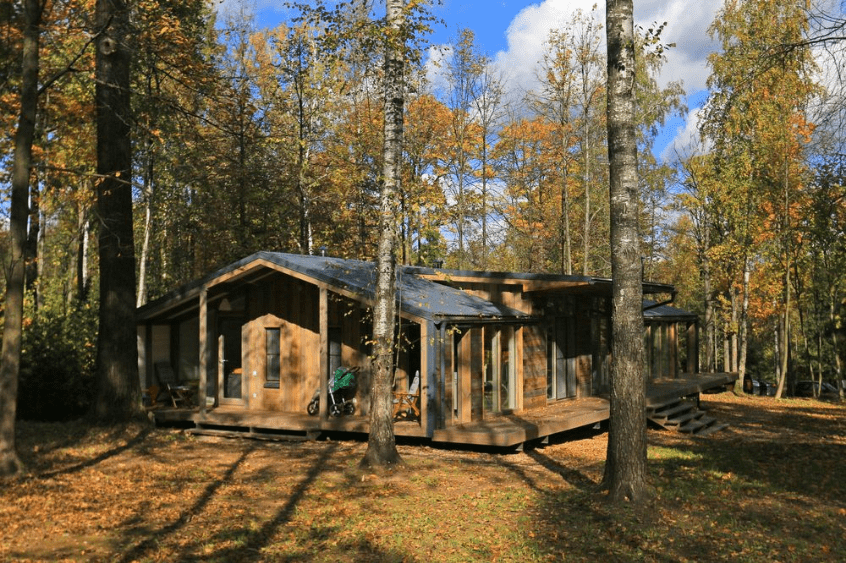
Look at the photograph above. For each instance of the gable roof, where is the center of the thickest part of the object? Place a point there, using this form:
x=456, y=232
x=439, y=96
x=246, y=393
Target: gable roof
x=666, y=312
x=416, y=295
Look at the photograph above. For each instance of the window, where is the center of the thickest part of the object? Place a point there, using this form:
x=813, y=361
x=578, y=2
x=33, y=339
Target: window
x=272, y=360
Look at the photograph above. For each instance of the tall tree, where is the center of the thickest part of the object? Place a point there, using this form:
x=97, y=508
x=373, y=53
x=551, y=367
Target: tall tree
x=14, y=267
x=555, y=101
x=118, y=390
x=625, y=466
x=756, y=120
x=488, y=107
x=381, y=443
x=460, y=152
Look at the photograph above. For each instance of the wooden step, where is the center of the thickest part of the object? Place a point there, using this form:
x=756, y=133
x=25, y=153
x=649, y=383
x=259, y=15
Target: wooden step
x=683, y=416
x=681, y=419
x=713, y=428
x=695, y=425
x=672, y=412
x=655, y=407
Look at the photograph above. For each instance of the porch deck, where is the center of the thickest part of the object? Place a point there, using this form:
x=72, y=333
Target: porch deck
x=513, y=429
x=662, y=390
x=273, y=423
x=502, y=431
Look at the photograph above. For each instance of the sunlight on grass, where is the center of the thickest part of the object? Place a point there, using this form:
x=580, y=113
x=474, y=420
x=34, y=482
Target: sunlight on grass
x=660, y=452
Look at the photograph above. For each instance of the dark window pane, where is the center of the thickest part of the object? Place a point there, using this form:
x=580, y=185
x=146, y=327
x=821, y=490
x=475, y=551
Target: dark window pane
x=272, y=347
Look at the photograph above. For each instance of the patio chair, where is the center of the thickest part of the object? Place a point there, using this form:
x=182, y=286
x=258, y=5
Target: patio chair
x=180, y=395
x=409, y=402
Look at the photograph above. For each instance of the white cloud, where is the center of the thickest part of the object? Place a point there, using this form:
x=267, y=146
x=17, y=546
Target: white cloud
x=686, y=140
x=687, y=27
x=687, y=24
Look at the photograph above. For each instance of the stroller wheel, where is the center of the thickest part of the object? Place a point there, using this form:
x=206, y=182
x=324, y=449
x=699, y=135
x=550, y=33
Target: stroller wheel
x=335, y=410
x=313, y=408
x=349, y=408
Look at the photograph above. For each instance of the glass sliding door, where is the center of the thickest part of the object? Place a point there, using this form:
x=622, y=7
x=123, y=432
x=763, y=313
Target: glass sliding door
x=500, y=380
x=507, y=373
x=561, y=359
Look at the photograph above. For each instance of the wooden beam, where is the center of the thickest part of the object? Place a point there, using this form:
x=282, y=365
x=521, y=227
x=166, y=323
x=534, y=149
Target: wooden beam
x=464, y=369
x=323, y=351
x=692, y=348
x=673, y=350
x=428, y=380
x=204, y=348
x=518, y=368
x=477, y=373
x=147, y=356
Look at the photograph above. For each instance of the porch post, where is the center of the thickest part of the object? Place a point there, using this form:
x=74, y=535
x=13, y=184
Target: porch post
x=693, y=347
x=442, y=367
x=324, y=353
x=517, y=359
x=673, y=345
x=145, y=357
x=428, y=380
x=204, y=348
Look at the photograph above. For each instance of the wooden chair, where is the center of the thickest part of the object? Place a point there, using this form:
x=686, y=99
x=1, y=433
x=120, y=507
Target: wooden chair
x=180, y=395
x=409, y=402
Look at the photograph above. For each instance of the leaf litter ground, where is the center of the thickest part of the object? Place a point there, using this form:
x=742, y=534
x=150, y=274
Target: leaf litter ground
x=770, y=488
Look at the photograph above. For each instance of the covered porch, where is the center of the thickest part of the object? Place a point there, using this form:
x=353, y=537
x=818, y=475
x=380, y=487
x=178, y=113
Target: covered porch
x=506, y=430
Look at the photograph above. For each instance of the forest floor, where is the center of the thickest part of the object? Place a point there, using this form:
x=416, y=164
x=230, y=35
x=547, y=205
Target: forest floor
x=770, y=488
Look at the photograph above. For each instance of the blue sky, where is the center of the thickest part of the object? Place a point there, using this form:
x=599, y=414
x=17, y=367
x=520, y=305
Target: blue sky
x=512, y=32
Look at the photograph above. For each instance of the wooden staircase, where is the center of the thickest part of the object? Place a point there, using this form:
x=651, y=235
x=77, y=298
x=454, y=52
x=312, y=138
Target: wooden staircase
x=682, y=415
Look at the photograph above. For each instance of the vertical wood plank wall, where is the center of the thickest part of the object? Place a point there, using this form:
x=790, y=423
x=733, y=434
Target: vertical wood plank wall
x=477, y=375
x=293, y=307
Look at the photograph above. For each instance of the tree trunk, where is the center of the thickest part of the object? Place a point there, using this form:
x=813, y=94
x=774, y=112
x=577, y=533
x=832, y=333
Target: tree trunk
x=147, y=191
x=381, y=444
x=625, y=466
x=82, y=228
x=586, y=178
x=566, y=254
x=743, y=329
x=31, y=249
x=838, y=370
x=118, y=390
x=784, y=343
x=710, y=315
x=13, y=314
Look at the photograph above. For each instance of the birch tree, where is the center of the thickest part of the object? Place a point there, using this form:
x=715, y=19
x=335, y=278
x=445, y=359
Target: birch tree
x=625, y=467
x=381, y=443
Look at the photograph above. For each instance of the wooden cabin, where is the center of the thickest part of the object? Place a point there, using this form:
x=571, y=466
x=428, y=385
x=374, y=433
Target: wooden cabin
x=502, y=358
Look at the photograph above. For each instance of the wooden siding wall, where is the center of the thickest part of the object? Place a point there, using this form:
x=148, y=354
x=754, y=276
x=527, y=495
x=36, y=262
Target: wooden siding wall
x=508, y=295
x=662, y=359
x=291, y=306
x=534, y=367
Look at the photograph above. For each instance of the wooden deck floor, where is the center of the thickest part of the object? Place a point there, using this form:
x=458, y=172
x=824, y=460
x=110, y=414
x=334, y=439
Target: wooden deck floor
x=662, y=390
x=501, y=431
x=514, y=429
